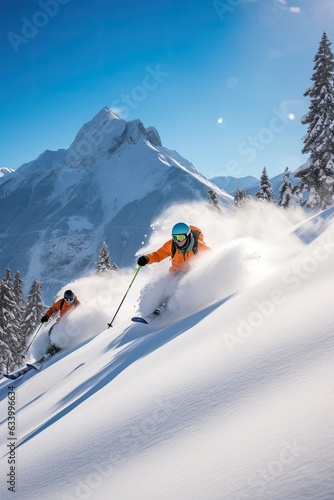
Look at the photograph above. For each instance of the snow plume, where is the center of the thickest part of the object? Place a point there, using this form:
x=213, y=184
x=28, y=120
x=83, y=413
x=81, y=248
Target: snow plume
x=259, y=220
x=246, y=246
x=99, y=297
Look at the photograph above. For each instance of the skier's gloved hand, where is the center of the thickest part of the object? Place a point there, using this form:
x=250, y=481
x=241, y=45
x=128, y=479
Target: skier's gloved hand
x=142, y=261
x=44, y=319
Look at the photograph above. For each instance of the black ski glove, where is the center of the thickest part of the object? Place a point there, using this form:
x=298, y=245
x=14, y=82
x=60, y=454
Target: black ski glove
x=44, y=319
x=142, y=261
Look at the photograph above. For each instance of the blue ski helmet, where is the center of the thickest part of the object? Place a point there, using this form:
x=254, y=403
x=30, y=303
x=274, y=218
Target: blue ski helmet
x=181, y=228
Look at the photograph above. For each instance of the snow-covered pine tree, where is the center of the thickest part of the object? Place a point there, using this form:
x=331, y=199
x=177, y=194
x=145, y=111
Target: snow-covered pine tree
x=213, y=200
x=287, y=192
x=9, y=330
x=317, y=174
x=266, y=192
x=103, y=263
x=240, y=198
x=33, y=312
x=4, y=339
x=20, y=309
x=17, y=289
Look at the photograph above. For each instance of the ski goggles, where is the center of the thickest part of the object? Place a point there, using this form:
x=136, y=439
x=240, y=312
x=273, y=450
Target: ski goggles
x=69, y=299
x=179, y=237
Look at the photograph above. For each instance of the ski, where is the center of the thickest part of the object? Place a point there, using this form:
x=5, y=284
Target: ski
x=149, y=317
x=18, y=373
x=37, y=365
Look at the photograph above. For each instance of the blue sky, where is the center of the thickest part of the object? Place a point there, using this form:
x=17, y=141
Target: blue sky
x=222, y=80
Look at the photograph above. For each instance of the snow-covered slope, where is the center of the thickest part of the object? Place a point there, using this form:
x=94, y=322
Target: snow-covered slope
x=226, y=396
x=109, y=185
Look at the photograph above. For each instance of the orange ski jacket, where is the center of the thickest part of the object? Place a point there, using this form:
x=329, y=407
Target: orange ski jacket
x=62, y=306
x=180, y=261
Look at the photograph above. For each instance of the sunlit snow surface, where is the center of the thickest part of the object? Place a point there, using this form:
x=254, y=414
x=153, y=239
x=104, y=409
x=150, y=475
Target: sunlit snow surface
x=227, y=395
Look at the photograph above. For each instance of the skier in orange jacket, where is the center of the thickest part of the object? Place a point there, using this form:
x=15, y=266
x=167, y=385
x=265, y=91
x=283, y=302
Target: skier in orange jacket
x=62, y=305
x=69, y=301
x=186, y=242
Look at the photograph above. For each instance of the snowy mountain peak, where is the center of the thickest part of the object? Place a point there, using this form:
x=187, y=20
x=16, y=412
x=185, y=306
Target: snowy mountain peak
x=105, y=133
x=97, y=136
x=4, y=171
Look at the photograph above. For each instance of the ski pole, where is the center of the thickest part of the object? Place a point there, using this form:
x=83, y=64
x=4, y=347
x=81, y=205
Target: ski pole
x=111, y=322
x=27, y=349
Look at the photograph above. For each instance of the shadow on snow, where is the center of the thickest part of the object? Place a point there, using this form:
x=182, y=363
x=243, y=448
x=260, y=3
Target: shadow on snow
x=136, y=347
